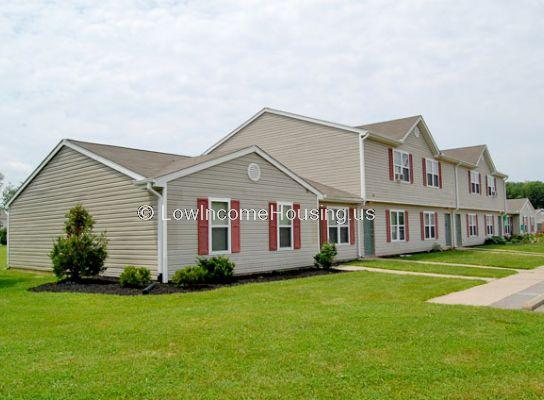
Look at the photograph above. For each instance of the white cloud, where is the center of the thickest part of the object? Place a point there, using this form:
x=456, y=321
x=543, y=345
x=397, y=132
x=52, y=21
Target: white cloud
x=176, y=76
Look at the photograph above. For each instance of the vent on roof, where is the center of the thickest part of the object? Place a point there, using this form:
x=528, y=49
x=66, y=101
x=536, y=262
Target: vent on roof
x=254, y=172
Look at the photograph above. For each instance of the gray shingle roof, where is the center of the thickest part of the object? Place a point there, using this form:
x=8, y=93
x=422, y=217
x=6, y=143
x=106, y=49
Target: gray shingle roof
x=469, y=154
x=331, y=192
x=394, y=129
x=515, y=205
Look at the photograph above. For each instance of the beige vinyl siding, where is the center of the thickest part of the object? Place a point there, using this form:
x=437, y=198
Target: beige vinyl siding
x=482, y=235
x=37, y=215
x=346, y=251
x=415, y=244
x=526, y=211
x=230, y=180
x=380, y=188
x=475, y=201
x=324, y=154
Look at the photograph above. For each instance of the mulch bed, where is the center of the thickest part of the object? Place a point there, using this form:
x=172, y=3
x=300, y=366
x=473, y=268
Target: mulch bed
x=106, y=285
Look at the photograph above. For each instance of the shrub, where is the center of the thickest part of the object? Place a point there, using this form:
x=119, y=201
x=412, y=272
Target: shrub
x=325, y=258
x=81, y=253
x=436, y=248
x=3, y=236
x=495, y=240
x=135, y=277
x=188, y=276
x=219, y=269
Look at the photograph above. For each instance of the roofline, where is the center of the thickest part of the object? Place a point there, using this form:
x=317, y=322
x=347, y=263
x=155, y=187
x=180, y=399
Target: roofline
x=79, y=149
x=162, y=180
x=288, y=115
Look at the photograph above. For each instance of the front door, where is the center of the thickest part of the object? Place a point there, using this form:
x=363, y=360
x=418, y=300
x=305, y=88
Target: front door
x=368, y=226
x=458, y=231
x=447, y=221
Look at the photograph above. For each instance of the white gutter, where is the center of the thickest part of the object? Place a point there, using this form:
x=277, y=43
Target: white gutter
x=7, y=239
x=161, y=233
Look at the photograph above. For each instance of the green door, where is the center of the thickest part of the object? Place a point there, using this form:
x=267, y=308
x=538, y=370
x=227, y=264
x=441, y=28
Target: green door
x=369, y=237
x=447, y=221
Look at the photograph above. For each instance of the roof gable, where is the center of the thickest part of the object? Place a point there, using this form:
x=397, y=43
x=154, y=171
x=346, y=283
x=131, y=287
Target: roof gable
x=396, y=129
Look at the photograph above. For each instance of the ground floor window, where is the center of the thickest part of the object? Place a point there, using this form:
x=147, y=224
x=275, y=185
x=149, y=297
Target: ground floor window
x=472, y=225
x=285, y=225
x=507, y=225
x=398, y=226
x=489, y=225
x=429, y=224
x=338, y=221
x=219, y=226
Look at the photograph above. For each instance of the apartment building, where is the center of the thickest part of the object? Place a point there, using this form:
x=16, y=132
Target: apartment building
x=421, y=195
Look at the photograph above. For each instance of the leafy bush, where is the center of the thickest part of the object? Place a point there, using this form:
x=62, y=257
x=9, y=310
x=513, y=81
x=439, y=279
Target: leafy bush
x=219, y=269
x=3, y=236
x=325, y=258
x=135, y=277
x=81, y=253
x=436, y=248
x=188, y=276
x=495, y=240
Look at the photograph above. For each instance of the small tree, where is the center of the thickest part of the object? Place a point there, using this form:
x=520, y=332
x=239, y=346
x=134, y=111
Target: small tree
x=325, y=258
x=81, y=253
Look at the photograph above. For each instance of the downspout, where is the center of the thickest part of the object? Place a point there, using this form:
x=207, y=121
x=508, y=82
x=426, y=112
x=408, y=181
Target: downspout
x=7, y=240
x=161, y=225
x=362, y=177
x=456, y=205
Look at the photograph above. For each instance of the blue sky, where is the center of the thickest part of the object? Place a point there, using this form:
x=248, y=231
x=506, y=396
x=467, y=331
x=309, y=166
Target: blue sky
x=177, y=76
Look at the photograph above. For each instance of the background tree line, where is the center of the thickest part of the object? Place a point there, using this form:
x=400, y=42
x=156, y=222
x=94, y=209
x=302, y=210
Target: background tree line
x=534, y=191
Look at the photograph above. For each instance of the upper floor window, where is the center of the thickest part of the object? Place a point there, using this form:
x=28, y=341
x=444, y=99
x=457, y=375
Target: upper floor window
x=401, y=162
x=475, y=182
x=430, y=225
x=398, y=226
x=489, y=225
x=285, y=225
x=338, y=220
x=491, y=188
x=433, y=174
x=219, y=226
x=472, y=225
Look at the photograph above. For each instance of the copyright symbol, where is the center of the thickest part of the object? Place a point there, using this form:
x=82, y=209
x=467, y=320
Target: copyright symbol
x=145, y=212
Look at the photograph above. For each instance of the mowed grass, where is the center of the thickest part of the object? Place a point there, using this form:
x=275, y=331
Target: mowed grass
x=353, y=335
x=433, y=268
x=530, y=247
x=517, y=261
x=3, y=257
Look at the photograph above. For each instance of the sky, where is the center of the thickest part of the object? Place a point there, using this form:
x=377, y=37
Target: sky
x=177, y=76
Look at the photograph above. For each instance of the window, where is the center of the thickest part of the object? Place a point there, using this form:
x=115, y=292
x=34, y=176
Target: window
x=285, y=225
x=338, y=220
x=489, y=225
x=219, y=226
x=532, y=222
x=524, y=225
x=475, y=182
x=398, y=226
x=472, y=225
x=433, y=178
x=507, y=225
x=491, y=189
x=401, y=162
x=429, y=224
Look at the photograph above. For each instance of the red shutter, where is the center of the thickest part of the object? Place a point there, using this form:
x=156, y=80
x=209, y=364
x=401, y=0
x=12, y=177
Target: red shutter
x=323, y=234
x=272, y=226
x=391, y=169
x=477, y=226
x=296, y=226
x=469, y=183
x=411, y=159
x=468, y=227
x=440, y=174
x=480, y=183
x=424, y=169
x=388, y=226
x=422, y=225
x=235, y=227
x=202, y=207
x=352, y=226
x=407, y=226
x=436, y=223
x=486, y=185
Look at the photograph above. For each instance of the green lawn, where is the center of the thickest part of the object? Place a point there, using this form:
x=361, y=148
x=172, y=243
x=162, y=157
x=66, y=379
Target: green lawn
x=481, y=258
x=439, y=269
x=531, y=248
x=354, y=335
x=3, y=251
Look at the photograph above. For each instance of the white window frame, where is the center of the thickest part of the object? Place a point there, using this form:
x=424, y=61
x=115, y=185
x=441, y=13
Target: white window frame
x=338, y=226
x=507, y=229
x=291, y=225
x=475, y=182
x=473, y=223
x=398, y=226
x=531, y=224
x=489, y=225
x=434, y=171
x=401, y=166
x=491, y=189
x=211, y=226
x=432, y=223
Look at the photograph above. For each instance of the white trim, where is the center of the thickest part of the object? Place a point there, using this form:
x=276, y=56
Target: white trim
x=427, y=133
x=347, y=224
x=435, y=224
x=164, y=236
x=402, y=167
x=362, y=169
x=67, y=143
x=391, y=225
x=7, y=239
x=435, y=161
x=470, y=215
x=161, y=180
x=476, y=182
x=278, y=226
x=489, y=179
x=288, y=115
x=492, y=224
x=228, y=226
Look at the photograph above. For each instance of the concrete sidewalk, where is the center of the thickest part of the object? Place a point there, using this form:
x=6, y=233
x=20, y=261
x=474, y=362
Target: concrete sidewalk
x=399, y=272
x=509, y=292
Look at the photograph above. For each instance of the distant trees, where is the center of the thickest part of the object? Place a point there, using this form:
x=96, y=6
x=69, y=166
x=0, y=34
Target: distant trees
x=534, y=191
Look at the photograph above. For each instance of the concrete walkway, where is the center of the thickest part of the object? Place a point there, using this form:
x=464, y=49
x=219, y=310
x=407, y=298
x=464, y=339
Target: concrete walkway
x=455, y=264
x=397, y=272
x=507, y=292
x=514, y=252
